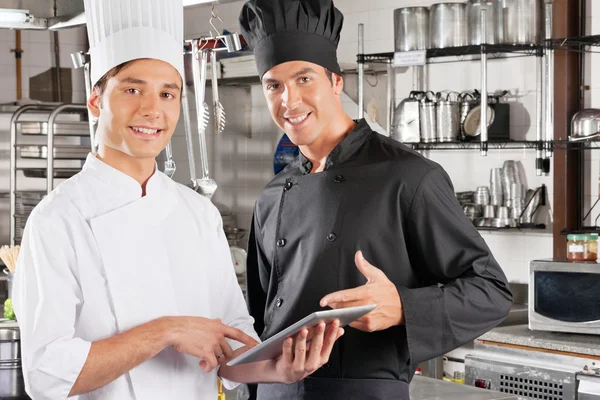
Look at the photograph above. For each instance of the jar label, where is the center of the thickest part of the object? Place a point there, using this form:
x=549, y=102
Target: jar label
x=576, y=248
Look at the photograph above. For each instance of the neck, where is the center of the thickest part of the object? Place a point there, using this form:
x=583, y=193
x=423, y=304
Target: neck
x=140, y=169
x=318, y=151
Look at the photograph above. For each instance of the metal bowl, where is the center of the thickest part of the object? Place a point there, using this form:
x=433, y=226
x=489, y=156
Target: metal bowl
x=234, y=233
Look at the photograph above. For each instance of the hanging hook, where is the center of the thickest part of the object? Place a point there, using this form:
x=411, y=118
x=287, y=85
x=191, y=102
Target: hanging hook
x=214, y=14
x=202, y=43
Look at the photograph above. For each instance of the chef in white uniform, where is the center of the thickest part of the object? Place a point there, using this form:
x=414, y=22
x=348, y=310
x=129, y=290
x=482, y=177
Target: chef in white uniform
x=125, y=287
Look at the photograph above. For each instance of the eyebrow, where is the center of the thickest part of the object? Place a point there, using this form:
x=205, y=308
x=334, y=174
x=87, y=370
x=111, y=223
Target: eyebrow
x=303, y=71
x=137, y=81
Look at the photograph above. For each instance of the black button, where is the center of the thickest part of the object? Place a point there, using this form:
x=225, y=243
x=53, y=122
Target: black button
x=279, y=302
x=338, y=179
x=288, y=186
x=281, y=242
x=331, y=237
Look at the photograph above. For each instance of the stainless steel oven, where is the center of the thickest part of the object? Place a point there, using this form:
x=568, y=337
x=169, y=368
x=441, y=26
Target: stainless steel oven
x=564, y=296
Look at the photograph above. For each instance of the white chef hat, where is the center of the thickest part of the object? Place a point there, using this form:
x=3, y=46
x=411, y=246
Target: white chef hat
x=125, y=30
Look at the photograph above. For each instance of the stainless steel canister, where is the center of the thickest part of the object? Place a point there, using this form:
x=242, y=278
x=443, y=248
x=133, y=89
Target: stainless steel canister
x=411, y=26
x=448, y=117
x=11, y=374
x=448, y=25
x=427, y=113
x=494, y=17
x=523, y=21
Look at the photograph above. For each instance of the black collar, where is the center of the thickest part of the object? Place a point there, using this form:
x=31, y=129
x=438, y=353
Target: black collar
x=342, y=152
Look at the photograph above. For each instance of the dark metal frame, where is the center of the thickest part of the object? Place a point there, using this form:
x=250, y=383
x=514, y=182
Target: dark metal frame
x=568, y=21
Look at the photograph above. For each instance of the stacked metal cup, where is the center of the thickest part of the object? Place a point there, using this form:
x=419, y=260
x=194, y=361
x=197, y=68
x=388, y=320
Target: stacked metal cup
x=496, y=191
x=512, y=185
x=481, y=196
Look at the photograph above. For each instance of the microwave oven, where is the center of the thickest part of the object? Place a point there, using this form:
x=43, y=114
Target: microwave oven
x=564, y=296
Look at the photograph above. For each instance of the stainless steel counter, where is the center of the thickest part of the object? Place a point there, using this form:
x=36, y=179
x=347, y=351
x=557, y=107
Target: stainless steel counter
x=422, y=388
x=565, y=342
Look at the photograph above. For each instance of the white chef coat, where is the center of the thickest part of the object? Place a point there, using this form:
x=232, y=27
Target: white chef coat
x=97, y=259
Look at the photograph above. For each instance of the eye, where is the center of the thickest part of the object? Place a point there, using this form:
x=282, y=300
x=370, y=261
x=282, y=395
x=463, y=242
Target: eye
x=132, y=91
x=305, y=79
x=168, y=95
x=273, y=86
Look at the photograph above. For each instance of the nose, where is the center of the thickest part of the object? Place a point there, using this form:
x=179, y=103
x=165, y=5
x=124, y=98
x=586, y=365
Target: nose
x=291, y=97
x=150, y=106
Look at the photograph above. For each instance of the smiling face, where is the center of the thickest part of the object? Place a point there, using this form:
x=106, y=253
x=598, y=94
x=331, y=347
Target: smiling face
x=303, y=101
x=138, y=109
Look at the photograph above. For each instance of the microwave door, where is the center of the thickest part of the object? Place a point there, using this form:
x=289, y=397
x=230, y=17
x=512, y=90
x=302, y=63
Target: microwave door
x=569, y=297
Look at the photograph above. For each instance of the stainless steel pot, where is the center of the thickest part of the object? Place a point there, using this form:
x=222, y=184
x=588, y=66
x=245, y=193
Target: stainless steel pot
x=406, y=127
x=448, y=117
x=448, y=25
x=523, y=21
x=585, y=124
x=11, y=374
x=428, y=116
x=494, y=17
x=411, y=25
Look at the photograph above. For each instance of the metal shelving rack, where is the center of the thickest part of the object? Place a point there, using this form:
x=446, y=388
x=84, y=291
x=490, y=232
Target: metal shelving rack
x=499, y=51
x=545, y=67
x=49, y=151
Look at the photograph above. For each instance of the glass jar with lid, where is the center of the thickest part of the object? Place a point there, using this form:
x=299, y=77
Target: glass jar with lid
x=582, y=247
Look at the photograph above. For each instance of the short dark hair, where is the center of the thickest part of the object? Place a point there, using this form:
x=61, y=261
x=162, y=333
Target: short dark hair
x=329, y=75
x=101, y=84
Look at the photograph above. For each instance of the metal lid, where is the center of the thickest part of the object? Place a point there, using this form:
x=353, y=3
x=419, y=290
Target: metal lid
x=583, y=236
x=9, y=334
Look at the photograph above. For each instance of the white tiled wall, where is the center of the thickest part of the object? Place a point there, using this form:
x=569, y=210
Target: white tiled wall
x=38, y=57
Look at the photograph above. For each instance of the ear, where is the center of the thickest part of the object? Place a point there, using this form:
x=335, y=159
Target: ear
x=94, y=103
x=338, y=83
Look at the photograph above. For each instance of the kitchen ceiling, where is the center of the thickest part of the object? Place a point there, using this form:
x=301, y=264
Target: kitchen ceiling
x=56, y=14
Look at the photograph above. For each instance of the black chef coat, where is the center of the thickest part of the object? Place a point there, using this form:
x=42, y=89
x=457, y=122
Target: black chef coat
x=399, y=208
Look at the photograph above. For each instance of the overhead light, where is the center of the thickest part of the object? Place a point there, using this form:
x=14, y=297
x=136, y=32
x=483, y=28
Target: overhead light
x=9, y=15
x=20, y=19
x=195, y=2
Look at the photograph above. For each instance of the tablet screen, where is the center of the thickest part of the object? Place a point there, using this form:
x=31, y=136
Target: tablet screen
x=271, y=348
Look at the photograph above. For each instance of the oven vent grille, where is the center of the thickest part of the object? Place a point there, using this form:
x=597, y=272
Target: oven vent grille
x=531, y=388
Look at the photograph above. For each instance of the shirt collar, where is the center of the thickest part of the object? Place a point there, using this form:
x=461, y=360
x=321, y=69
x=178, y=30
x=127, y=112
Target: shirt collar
x=124, y=184
x=343, y=151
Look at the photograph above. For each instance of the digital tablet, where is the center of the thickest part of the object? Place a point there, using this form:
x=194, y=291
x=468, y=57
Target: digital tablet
x=271, y=348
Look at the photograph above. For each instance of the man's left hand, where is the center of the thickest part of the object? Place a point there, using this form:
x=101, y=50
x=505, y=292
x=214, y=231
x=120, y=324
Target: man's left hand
x=378, y=290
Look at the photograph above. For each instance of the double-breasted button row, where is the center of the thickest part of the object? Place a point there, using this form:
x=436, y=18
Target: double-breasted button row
x=288, y=185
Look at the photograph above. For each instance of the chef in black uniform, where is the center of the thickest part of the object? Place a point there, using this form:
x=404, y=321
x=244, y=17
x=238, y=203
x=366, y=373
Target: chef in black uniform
x=356, y=218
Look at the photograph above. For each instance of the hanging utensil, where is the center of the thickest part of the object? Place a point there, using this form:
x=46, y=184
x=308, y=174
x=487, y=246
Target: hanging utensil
x=81, y=60
x=205, y=185
x=218, y=110
x=169, y=163
x=187, y=125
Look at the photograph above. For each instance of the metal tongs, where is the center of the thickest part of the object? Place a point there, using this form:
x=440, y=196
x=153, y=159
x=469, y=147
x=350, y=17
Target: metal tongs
x=206, y=186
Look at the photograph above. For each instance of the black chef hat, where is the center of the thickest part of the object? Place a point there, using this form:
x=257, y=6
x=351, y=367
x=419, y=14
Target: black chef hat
x=292, y=30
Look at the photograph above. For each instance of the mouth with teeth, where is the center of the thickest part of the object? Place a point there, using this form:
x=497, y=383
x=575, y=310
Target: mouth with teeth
x=146, y=132
x=297, y=120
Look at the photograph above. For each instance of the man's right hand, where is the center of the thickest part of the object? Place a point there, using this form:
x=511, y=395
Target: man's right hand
x=206, y=339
